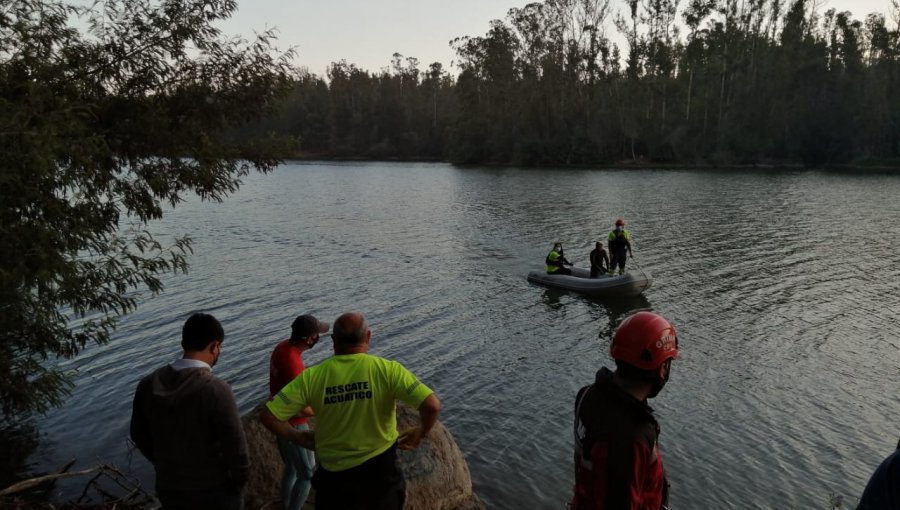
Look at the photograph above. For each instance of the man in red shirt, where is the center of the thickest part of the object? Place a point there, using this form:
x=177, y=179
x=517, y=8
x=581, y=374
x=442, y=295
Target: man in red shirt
x=285, y=365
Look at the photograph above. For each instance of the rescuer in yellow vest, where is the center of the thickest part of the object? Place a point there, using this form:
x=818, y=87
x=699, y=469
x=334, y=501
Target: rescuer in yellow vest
x=556, y=261
x=619, y=242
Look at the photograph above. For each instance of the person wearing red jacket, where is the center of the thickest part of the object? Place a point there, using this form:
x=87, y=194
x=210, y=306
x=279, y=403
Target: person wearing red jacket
x=617, y=461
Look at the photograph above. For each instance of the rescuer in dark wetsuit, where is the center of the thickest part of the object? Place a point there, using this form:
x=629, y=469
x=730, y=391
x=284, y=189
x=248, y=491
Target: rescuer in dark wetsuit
x=599, y=260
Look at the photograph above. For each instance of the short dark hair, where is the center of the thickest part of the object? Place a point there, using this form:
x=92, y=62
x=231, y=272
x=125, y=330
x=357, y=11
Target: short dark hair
x=199, y=331
x=349, y=332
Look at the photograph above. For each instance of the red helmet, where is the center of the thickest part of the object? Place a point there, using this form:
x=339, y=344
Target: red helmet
x=644, y=340
x=620, y=221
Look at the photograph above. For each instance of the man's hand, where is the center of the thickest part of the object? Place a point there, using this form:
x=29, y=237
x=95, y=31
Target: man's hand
x=304, y=438
x=428, y=413
x=284, y=430
x=410, y=438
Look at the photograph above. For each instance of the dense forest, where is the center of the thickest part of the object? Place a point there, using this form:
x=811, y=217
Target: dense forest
x=695, y=81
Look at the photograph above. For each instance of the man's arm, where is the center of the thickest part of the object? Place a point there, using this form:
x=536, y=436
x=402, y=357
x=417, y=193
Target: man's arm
x=429, y=410
x=231, y=432
x=283, y=429
x=140, y=428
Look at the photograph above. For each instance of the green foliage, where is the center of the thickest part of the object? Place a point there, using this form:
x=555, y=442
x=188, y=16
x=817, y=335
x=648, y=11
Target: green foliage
x=698, y=81
x=98, y=132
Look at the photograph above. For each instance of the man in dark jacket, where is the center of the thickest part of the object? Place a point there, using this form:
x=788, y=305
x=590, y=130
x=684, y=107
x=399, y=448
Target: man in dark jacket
x=185, y=421
x=617, y=460
x=883, y=490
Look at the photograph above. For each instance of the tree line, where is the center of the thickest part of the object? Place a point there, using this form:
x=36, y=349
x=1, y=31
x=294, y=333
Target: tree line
x=695, y=81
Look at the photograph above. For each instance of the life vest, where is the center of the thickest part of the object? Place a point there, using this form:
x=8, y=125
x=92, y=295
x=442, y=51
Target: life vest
x=553, y=261
x=618, y=240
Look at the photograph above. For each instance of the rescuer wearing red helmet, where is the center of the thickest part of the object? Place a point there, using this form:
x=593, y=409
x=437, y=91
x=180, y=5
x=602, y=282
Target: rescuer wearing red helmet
x=619, y=244
x=617, y=461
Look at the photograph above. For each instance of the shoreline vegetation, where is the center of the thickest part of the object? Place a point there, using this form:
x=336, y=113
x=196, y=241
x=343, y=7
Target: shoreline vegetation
x=720, y=83
x=865, y=165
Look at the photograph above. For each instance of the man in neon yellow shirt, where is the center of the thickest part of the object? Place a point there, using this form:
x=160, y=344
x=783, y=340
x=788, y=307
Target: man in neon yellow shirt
x=354, y=399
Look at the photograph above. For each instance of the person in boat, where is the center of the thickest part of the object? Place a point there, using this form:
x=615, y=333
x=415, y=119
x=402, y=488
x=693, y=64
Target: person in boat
x=617, y=459
x=599, y=260
x=619, y=243
x=556, y=261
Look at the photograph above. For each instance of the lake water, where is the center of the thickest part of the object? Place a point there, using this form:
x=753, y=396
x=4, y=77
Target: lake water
x=784, y=288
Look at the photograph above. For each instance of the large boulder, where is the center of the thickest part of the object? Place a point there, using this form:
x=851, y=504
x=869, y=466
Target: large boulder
x=262, y=489
x=437, y=476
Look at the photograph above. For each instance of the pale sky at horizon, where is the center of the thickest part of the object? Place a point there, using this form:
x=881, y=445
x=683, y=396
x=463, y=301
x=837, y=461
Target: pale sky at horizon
x=367, y=33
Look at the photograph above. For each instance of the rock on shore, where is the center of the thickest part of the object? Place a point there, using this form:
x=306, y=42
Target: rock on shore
x=437, y=476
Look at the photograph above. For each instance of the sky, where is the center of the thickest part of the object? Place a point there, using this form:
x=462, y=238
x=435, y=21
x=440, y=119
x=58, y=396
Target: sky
x=368, y=32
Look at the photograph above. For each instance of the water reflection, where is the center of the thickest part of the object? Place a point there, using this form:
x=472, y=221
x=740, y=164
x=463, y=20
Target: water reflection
x=615, y=308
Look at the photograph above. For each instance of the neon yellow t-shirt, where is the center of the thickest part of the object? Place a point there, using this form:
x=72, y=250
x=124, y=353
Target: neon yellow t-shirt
x=354, y=397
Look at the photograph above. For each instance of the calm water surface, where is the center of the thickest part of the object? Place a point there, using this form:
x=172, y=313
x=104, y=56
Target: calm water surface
x=783, y=287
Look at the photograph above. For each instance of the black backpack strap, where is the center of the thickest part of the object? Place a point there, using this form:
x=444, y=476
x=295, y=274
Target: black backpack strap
x=581, y=432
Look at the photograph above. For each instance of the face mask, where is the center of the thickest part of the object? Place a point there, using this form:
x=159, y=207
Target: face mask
x=657, y=387
x=660, y=384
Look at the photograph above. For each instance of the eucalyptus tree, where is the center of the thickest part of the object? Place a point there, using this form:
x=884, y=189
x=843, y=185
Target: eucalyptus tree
x=880, y=111
x=696, y=12
x=663, y=47
x=351, y=96
x=487, y=95
x=100, y=129
x=629, y=95
x=438, y=94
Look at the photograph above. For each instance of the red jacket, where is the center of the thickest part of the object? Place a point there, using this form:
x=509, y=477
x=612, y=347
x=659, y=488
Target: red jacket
x=617, y=462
